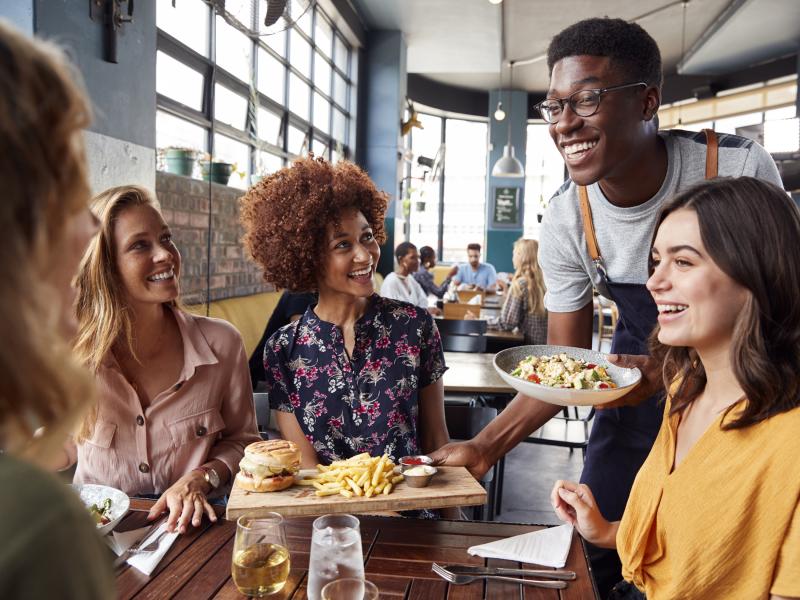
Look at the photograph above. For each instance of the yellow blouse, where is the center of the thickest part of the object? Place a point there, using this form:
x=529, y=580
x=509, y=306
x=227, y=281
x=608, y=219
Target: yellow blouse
x=725, y=524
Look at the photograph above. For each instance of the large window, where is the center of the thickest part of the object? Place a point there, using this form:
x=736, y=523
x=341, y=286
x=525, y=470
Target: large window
x=464, y=187
x=544, y=174
x=445, y=202
x=249, y=98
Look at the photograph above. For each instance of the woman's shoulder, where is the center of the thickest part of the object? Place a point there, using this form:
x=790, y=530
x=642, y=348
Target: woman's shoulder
x=38, y=498
x=396, y=310
x=216, y=331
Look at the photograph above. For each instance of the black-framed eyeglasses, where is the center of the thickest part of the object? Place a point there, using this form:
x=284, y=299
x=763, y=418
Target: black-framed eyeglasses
x=583, y=103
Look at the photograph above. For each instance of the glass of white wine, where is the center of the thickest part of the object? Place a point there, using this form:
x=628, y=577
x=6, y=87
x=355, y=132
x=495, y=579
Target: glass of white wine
x=350, y=588
x=260, y=562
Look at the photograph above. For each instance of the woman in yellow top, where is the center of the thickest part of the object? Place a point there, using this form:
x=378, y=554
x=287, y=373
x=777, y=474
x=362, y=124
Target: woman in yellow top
x=714, y=510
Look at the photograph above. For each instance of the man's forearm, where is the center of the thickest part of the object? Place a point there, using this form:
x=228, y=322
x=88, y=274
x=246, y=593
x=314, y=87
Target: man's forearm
x=521, y=417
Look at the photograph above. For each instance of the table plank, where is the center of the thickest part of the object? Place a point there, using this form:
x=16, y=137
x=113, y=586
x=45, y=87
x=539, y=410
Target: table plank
x=165, y=582
x=398, y=556
x=474, y=373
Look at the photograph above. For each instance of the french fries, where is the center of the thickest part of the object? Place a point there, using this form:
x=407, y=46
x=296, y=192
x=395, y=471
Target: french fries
x=361, y=475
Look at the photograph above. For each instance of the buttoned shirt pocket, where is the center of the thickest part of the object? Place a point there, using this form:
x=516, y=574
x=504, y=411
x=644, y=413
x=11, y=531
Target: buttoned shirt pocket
x=103, y=434
x=205, y=424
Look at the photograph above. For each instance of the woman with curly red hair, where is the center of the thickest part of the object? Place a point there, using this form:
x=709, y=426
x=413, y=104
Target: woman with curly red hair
x=358, y=372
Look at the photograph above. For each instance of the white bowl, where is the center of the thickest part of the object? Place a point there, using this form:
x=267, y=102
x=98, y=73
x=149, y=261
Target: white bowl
x=91, y=493
x=507, y=360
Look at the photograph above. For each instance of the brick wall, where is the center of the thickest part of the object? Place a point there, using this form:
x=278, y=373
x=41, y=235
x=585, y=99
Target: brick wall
x=184, y=202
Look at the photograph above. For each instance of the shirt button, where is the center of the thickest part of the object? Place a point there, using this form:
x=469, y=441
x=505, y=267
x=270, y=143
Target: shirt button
x=201, y=431
x=140, y=420
x=144, y=467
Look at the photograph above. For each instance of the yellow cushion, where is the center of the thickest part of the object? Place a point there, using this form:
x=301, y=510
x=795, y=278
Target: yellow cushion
x=249, y=314
x=440, y=273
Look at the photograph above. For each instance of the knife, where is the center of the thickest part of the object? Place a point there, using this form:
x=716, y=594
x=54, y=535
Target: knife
x=562, y=575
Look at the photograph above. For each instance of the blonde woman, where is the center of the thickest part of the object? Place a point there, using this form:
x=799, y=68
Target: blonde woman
x=524, y=304
x=175, y=407
x=49, y=544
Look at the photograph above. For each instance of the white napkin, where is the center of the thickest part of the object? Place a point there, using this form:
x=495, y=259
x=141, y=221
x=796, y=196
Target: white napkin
x=475, y=299
x=145, y=562
x=547, y=547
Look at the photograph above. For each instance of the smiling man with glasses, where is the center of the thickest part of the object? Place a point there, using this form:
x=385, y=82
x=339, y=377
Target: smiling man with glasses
x=604, y=95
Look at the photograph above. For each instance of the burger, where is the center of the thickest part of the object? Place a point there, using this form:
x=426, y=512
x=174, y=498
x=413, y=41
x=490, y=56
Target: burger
x=268, y=466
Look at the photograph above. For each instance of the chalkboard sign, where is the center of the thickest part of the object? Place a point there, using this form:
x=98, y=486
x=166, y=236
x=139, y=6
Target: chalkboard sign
x=506, y=206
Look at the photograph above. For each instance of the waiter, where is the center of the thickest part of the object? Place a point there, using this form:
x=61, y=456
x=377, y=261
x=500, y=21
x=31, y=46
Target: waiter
x=605, y=91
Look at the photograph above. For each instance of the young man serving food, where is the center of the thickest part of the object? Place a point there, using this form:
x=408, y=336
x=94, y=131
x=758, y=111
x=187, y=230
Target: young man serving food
x=604, y=94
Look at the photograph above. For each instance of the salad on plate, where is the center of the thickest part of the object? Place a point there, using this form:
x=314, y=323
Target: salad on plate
x=563, y=371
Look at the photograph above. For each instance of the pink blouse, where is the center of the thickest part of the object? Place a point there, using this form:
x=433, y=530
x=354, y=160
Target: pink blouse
x=207, y=414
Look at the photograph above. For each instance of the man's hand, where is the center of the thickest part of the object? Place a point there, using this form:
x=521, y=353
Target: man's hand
x=462, y=454
x=186, y=501
x=651, y=382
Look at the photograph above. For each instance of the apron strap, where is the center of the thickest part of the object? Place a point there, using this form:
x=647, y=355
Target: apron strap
x=712, y=153
x=712, y=170
x=588, y=224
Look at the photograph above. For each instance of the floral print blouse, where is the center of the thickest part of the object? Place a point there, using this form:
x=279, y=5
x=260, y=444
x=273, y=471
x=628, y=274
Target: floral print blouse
x=364, y=403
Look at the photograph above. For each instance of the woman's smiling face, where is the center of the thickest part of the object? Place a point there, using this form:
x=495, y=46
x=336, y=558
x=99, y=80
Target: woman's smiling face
x=351, y=255
x=147, y=260
x=698, y=304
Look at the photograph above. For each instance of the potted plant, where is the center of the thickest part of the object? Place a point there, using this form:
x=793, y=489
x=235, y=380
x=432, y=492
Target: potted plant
x=179, y=161
x=216, y=171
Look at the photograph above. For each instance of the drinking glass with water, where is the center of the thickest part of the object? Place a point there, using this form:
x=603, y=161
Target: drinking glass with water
x=260, y=563
x=350, y=588
x=335, y=552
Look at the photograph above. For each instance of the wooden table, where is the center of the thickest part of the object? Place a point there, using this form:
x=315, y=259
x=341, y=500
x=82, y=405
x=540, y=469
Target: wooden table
x=473, y=373
x=397, y=552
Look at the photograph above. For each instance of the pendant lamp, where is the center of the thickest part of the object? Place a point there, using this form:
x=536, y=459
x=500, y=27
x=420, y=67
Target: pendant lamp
x=508, y=165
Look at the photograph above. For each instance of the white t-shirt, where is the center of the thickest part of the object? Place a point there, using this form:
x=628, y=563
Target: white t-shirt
x=405, y=288
x=624, y=235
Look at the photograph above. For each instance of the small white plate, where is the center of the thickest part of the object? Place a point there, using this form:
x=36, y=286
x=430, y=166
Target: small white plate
x=91, y=493
x=507, y=360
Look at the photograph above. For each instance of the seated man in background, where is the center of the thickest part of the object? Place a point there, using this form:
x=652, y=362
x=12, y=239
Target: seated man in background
x=477, y=275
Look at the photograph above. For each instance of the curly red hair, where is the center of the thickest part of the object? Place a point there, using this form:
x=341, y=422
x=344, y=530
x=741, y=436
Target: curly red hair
x=286, y=214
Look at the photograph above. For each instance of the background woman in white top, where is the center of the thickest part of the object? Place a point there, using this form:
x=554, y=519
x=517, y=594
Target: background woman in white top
x=400, y=285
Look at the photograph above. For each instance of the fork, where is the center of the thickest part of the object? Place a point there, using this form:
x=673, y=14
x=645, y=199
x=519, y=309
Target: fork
x=135, y=547
x=459, y=579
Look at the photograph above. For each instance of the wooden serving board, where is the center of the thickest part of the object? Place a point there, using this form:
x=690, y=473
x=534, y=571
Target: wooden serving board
x=451, y=486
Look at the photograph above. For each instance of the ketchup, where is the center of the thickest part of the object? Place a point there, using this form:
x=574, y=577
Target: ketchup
x=412, y=460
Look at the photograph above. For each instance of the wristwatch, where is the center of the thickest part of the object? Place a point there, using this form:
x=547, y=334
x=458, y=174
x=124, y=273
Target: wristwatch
x=210, y=475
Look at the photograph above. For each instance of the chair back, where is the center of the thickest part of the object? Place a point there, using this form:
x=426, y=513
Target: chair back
x=457, y=310
x=464, y=343
x=461, y=327
x=465, y=422
x=261, y=402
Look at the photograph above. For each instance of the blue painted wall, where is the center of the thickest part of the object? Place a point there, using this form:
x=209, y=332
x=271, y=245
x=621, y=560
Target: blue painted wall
x=500, y=238
x=385, y=72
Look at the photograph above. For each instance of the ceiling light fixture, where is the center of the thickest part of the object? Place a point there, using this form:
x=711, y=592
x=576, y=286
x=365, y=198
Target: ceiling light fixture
x=499, y=113
x=495, y=1
x=508, y=165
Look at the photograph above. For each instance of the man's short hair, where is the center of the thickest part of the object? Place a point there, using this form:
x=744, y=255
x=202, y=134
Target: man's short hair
x=474, y=247
x=402, y=249
x=626, y=44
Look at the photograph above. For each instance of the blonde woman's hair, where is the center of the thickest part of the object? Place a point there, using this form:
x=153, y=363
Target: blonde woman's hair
x=529, y=271
x=43, y=110
x=104, y=317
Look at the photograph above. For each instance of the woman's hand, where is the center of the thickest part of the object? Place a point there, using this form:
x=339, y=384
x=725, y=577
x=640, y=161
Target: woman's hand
x=574, y=503
x=186, y=501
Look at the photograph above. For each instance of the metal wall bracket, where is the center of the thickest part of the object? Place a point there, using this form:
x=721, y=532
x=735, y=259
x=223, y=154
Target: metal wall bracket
x=113, y=17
